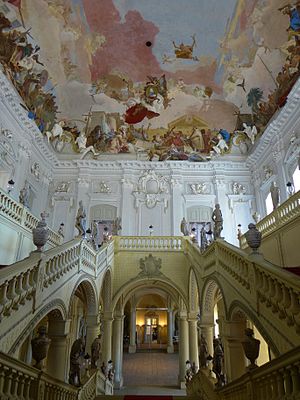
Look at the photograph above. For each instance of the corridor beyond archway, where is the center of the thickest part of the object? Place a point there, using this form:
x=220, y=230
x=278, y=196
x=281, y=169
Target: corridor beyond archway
x=151, y=373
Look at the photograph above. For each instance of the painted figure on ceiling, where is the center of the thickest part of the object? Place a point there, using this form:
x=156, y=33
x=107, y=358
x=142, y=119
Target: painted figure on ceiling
x=185, y=50
x=293, y=11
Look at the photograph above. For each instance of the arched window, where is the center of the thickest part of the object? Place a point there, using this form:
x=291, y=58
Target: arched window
x=269, y=204
x=296, y=179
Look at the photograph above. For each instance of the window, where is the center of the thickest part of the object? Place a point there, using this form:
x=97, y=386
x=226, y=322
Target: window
x=269, y=204
x=296, y=179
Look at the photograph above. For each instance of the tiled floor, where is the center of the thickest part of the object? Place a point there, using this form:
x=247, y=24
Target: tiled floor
x=150, y=373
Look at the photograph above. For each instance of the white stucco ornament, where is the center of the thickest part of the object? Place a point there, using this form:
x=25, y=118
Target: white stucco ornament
x=150, y=266
x=151, y=189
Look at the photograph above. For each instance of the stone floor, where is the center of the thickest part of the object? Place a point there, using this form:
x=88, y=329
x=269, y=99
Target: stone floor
x=150, y=374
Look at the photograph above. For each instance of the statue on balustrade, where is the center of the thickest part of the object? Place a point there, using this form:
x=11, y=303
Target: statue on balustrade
x=76, y=352
x=274, y=190
x=24, y=195
x=203, y=352
x=218, y=362
x=204, y=242
x=81, y=220
x=218, y=221
x=96, y=351
x=184, y=227
x=110, y=371
x=116, y=227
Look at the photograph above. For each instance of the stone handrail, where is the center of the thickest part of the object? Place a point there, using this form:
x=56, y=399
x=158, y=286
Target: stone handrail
x=278, y=379
x=275, y=380
x=24, y=280
x=19, y=214
x=285, y=213
x=202, y=386
x=146, y=243
x=277, y=289
x=21, y=381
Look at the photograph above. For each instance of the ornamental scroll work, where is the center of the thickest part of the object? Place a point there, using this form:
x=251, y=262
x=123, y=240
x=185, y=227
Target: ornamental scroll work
x=151, y=189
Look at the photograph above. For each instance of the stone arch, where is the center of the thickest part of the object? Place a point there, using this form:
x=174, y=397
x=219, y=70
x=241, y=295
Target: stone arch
x=55, y=305
x=130, y=287
x=193, y=292
x=91, y=295
x=237, y=306
x=209, y=291
x=106, y=291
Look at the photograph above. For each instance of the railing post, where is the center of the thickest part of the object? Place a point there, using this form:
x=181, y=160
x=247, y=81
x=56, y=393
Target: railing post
x=39, y=282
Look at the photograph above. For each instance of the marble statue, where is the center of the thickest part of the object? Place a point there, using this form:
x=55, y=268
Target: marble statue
x=218, y=362
x=61, y=229
x=274, y=190
x=116, y=227
x=204, y=242
x=218, y=221
x=96, y=351
x=81, y=220
x=184, y=227
x=24, y=195
x=110, y=371
x=203, y=352
x=76, y=351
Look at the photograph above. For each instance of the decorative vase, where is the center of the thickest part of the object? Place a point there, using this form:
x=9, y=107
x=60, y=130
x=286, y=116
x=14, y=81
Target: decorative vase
x=253, y=238
x=40, y=346
x=251, y=348
x=40, y=233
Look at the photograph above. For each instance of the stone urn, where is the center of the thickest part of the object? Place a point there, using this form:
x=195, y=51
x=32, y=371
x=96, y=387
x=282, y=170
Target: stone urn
x=40, y=346
x=251, y=348
x=40, y=233
x=253, y=238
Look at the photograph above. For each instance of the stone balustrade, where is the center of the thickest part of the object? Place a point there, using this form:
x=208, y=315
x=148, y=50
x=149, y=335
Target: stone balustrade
x=19, y=214
x=278, y=379
x=21, y=381
x=149, y=243
x=284, y=214
x=275, y=380
x=266, y=284
x=24, y=280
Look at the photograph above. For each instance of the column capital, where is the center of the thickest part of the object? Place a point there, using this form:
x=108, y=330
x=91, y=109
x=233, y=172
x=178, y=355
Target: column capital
x=59, y=328
x=93, y=319
x=108, y=316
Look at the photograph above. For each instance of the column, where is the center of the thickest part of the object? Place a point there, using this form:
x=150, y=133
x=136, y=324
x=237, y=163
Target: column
x=92, y=331
x=132, y=344
x=118, y=350
x=207, y=330
x=193, y=341
x=232, y=334
x=57, y=357
x=170, y=348
x=107, y=333
x=183, y=348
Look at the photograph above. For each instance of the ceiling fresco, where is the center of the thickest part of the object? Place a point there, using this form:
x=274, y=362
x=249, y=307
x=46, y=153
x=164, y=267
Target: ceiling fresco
x=151, y=79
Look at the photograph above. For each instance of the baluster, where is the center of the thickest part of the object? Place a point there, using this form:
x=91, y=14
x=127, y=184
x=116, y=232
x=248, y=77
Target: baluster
x=22, y=383
x=295, y=379
x=27, y=388
x=280, y=384
x=2, y=379
x=8, y=379
x=15, y=386
x=288, y=382
x=274, y=386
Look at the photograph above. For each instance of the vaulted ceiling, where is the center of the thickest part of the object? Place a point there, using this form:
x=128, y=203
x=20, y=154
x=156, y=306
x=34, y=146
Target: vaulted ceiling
x=154, y=62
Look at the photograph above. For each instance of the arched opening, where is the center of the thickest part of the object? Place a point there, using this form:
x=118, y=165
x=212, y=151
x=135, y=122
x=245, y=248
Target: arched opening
x=144, y=311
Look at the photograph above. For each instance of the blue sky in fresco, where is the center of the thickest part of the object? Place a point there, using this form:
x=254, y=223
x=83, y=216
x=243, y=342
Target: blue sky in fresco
x=179, y=19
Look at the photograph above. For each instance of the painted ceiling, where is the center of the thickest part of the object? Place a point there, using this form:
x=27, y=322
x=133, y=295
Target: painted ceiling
x=152, y=75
